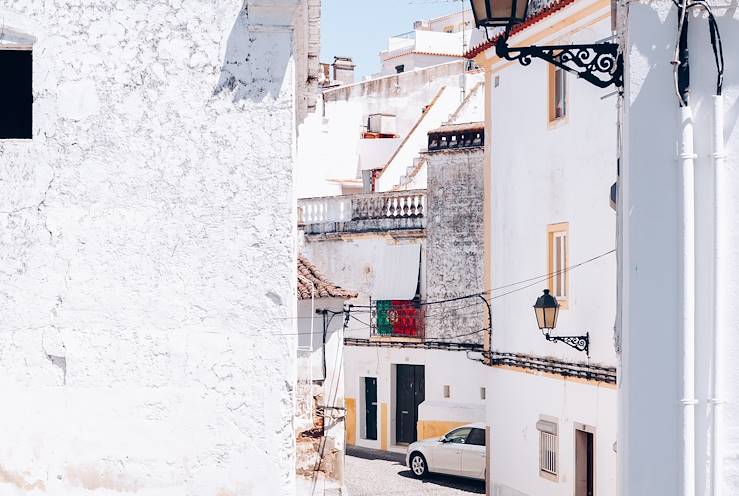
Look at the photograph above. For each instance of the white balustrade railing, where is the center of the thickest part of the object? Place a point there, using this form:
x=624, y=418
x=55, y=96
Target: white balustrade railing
x=390, y=205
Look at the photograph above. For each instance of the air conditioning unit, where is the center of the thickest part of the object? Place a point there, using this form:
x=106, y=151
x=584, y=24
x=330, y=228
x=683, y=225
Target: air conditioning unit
x=382, y=123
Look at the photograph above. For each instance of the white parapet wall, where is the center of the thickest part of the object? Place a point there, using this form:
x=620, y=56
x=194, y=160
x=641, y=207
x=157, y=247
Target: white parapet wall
x=147, y=289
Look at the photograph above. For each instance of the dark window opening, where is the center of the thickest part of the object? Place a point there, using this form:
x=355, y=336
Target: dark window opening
x=476, y=437
x=16, y=95
x=399, y=68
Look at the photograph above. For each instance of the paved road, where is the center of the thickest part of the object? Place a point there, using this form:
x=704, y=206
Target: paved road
x=377, y=473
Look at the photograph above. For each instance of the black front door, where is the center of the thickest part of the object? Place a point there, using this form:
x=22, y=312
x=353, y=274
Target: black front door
x=410, y=392
x=370, y=407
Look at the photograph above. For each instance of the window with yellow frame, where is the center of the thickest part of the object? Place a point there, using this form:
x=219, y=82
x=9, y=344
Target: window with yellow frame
x=558, y=236
x=558, y=99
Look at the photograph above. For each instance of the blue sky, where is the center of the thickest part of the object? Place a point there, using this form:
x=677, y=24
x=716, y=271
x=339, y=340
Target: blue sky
x=360, y=28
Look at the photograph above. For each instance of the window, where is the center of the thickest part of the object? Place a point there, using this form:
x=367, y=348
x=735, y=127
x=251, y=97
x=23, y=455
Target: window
x=399, y=68
x=559, y=257
x=548, y=449
x=483, y=393
x=476, y=437
x=447, y=391
x=557, y=93
x=458, y=436
x=16, y=94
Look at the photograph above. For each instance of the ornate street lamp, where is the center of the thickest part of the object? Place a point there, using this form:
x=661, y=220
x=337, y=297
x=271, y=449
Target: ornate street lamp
x=600, y=63
x=547, y=311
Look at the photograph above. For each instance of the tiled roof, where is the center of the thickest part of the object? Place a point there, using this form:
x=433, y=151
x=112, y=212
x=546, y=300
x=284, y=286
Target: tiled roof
x=323, y=287
x=540, y=16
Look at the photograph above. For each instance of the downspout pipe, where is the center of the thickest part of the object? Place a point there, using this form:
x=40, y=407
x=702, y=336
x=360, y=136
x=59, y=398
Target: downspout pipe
x=719, y=321
x=312, y=315
x=687, y=261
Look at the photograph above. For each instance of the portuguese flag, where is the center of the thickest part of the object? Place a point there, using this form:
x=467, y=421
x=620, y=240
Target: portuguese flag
x=399, y=318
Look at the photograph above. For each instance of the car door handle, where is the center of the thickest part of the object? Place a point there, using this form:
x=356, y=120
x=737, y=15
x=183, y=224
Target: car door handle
x=404, y=412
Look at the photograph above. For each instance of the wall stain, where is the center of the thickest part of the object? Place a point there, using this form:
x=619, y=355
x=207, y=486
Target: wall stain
x=19, y=480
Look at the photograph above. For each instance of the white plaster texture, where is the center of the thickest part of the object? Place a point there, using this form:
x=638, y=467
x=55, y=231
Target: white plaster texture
x=546, y=173
x=650, y=409
x=147, y=284
x=330, y=147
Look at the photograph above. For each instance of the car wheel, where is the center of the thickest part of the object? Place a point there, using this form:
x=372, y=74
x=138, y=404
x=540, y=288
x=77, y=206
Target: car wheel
x=419, y=467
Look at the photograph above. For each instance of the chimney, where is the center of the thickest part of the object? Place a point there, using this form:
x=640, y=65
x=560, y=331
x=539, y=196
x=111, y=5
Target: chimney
x=344, y=70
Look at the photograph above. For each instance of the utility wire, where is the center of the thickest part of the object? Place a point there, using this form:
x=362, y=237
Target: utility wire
x=537, y=279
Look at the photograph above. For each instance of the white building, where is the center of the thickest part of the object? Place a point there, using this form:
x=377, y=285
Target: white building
x=431, y=42
x=368, y=136
x=678, y=258
x=320, y=416
x=551, y=160
x=147, y=290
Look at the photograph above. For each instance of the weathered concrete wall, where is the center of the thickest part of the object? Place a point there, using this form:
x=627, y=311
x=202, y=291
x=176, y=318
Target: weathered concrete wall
x=454, y=244
x=146, y=338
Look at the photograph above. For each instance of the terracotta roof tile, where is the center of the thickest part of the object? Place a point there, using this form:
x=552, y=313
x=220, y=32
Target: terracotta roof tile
x=323, y=287
x=540, y=16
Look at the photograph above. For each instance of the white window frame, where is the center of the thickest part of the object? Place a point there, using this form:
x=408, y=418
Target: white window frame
x=548, y=449
x=558, y=240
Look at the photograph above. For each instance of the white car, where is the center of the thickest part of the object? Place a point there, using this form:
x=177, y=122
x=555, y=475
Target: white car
x=459, y=452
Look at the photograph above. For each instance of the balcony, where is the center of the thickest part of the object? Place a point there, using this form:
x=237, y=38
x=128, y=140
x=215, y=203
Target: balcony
x=396, y=211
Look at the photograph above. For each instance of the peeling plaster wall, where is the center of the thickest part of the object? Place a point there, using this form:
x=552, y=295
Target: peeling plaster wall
x=147, y=283
x=454, y=241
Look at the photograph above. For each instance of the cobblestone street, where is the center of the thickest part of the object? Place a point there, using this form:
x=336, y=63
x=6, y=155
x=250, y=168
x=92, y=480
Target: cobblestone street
x=378, y=473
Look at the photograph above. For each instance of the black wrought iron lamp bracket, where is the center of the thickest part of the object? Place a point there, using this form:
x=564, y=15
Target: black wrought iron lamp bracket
x=600, y=63
x=580, y=343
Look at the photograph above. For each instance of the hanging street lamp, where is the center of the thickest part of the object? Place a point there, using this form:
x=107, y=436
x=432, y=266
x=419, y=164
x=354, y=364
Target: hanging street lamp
x=599, y=63
x=547, y=311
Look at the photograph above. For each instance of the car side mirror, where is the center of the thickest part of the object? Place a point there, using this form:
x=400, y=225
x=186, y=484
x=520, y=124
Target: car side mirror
x=443, y=439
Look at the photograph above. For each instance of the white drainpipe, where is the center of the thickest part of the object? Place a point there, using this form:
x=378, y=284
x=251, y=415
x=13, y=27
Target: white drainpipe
x=687, y=303
x=719, y=322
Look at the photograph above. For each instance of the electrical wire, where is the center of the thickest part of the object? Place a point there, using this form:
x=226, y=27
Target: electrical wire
x=716, y=43
x=537, y=280
x=676, y=61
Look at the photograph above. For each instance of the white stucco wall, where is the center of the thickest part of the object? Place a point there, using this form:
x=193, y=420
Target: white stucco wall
x=147, y=343
x=329, y=141
x=464, y=376
x=413, y=61
x=517, y=401
x=650, y=413
x=547, y=173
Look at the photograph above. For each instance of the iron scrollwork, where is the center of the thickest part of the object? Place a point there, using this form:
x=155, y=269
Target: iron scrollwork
x=600, y=64
x=580, y=343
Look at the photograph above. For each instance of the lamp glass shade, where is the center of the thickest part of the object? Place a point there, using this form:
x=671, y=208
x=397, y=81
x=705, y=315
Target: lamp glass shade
x=504, y=13
x=547, y=310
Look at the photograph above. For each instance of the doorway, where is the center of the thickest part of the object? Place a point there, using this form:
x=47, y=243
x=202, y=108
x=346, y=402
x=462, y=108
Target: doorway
x=370, y=408
x=584, y=463
x=410, y=392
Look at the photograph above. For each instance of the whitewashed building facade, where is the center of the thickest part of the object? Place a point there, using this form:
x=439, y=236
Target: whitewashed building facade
x=551, y=161
x=147, y=341
x=371, y=224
